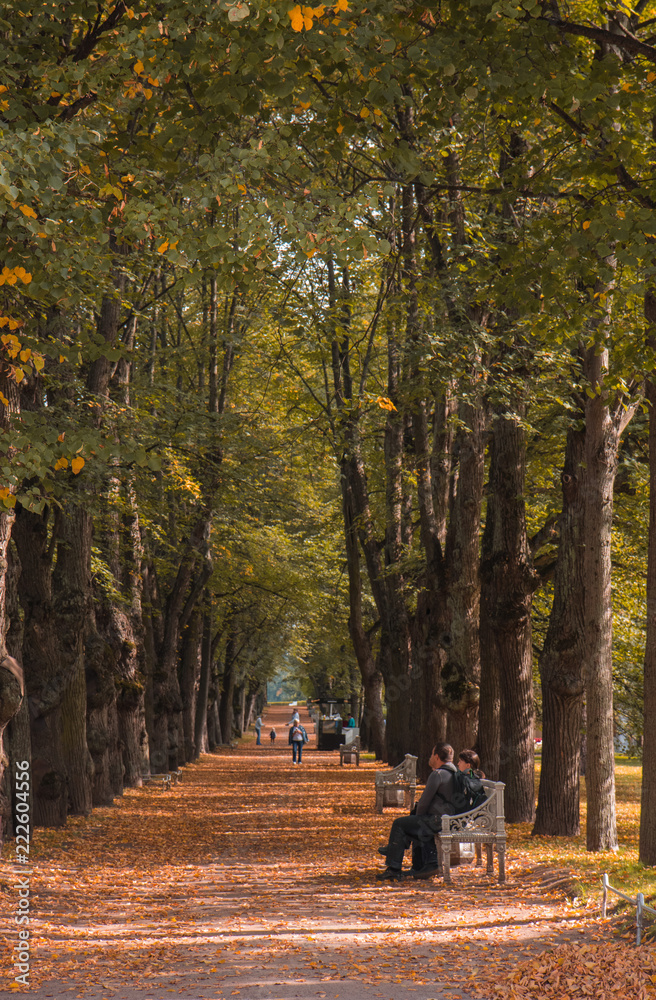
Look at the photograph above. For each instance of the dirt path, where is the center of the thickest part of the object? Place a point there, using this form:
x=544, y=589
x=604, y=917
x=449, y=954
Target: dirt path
x=255, y=878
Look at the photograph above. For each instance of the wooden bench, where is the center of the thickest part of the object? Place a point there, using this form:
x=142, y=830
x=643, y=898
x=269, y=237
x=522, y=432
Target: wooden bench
x=397, y=787
x=483, y=825
x=348, y=751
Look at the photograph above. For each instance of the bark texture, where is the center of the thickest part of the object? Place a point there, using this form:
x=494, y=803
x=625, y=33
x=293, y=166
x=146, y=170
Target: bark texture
x=509, y=581
x=561, y=661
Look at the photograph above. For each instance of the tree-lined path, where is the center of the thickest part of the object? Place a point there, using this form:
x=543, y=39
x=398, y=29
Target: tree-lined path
x=255, y=878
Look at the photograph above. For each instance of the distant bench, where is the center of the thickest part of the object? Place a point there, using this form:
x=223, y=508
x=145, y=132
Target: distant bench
x=348, y=751
x=397, y=787
x=165, y=780
x=484, y=825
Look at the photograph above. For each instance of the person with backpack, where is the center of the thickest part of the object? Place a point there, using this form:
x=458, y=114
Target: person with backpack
x=420, y=827
x=297, y=737
x=468, y=791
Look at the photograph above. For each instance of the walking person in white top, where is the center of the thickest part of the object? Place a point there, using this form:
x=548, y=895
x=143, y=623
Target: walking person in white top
x=297, y=737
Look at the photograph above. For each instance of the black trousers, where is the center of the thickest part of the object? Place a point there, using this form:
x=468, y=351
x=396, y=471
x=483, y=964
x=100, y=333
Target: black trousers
x=416, y=830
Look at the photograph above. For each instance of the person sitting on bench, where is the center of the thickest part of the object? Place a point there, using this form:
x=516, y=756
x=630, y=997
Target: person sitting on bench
x=420, y=827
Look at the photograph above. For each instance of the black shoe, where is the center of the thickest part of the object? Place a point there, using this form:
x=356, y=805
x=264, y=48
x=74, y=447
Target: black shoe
x=426, y=871
x=393, y=874
x=383, y=850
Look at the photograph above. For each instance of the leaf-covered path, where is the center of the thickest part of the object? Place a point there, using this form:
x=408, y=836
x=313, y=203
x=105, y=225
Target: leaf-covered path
x=255, y=878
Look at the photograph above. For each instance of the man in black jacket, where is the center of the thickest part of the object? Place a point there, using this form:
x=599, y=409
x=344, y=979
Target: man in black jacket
x=420, y=827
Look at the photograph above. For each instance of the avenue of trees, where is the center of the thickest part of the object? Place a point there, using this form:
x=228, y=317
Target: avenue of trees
x=329, y=331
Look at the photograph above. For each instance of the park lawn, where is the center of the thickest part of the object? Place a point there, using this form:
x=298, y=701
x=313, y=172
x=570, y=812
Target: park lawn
x=624, y=869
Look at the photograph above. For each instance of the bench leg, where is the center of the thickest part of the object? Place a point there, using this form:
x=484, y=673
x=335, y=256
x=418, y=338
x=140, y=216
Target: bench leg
x=411, y=796
x=357, y=760
x=501, y=861
x=490, y=860
x=479, y=855
x=446, y=859
x=379, y=800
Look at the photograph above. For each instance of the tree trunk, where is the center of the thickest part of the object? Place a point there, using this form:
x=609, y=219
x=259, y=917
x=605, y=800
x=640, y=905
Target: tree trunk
x=374, y=723
x=508, y=583
x=167, y=702
x=189, y=675
x=201, y=741
x=18, y=742
x=72, y=590
x=602, y=437
x=461, y=672
x=561, y=661
x=648, y=805
x=226, y=707
x=44, y=680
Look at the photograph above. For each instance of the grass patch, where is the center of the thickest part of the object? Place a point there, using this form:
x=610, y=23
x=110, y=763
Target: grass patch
x=623, y=868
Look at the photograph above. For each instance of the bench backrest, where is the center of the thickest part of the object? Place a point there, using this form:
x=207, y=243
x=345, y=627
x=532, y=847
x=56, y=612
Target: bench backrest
x=488, y=817
x=405, y=771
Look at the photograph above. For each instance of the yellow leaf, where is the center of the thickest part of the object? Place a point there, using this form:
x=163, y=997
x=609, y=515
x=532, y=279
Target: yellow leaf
x=26, y=210
x=651, y=76
x=61, y=358
x=26, y=278
x=365, y=113
x=297, y=18
x=148, y=93
x=586, y=224
x=61, y=463
x=385, y=403
x=620, y=213
x=62, y=436
x=19, y=374
x=341, y=5
x=77, y=464
x=242, y=188
x=138, y=66
x=339, y=129
x=3, y=399
x=26, y=354
x=164, y=247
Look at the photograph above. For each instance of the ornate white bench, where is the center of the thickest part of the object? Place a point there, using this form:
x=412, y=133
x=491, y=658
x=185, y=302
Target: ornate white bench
x=348, y=751
x=482, y=825
x=397, y=787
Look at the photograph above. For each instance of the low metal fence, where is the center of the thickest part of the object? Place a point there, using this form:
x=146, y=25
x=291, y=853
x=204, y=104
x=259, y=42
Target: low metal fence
x=639, y=902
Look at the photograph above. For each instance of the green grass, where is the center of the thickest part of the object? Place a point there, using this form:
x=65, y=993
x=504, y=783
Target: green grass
x=623, y=868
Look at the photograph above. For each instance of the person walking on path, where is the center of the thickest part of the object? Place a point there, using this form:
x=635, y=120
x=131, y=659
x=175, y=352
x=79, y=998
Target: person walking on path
x=420, y=828
x=297, y=737
x=295, y=718
x=272, y=736
x=258, y=731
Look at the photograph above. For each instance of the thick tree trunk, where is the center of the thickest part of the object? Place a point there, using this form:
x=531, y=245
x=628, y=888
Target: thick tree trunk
x=226, y=705
x=602, y=436
x=72, y=591
x=18, y=742
x=167, y=702
x=648, y=804
x=561, y=661
x=371, y=676
x=44, y=680
x=461, y=671
x=508, y=583
x=489, y=710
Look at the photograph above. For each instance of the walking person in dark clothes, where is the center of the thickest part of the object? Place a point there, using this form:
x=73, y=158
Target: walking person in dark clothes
x=419, y=828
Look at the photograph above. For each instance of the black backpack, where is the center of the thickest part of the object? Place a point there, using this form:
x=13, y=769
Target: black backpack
x=468, y=792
